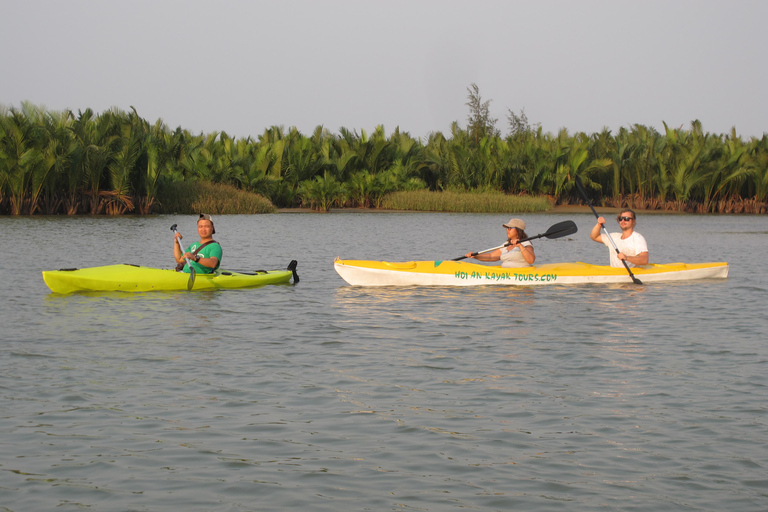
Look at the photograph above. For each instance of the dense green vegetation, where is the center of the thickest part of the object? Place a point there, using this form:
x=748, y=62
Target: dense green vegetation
x=116, y=162
x=214, y=198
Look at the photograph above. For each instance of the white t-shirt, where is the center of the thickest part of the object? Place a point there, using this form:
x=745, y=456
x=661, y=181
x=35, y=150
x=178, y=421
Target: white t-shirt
x=633, y=245
x=513, y=258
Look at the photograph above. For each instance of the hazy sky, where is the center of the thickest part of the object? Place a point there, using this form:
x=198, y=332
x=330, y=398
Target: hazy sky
x=243, y=66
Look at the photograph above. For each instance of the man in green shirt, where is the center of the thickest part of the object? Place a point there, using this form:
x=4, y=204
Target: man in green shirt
x=204, y=256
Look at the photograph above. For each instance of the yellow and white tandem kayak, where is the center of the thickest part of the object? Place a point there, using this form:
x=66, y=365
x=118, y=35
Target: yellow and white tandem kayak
x=459, y=273
x=134, y=278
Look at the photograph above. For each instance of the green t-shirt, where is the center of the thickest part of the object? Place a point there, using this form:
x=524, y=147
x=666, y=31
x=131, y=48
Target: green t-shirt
x=212, y=250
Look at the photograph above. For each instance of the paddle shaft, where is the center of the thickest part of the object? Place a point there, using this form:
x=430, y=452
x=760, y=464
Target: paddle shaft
x=191, y=281
x=560, y=229
x=485, y=251
x=604, y=230
x=173, y=228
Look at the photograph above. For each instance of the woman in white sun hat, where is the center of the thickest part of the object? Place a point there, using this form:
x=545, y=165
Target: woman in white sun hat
x=515, y=254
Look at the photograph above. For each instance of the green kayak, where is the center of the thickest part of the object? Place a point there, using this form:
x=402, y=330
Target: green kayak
x=134, y=278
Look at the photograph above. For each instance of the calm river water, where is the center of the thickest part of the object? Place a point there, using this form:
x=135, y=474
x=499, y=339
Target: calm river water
x=327, y=397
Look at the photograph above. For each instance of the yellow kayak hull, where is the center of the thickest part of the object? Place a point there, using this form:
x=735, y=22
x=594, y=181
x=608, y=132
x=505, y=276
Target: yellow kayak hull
x=134, y=278
x=459, y=273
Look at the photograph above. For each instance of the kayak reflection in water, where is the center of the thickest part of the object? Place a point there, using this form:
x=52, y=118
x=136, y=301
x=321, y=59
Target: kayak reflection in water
x=205, y=255
x=514, y=255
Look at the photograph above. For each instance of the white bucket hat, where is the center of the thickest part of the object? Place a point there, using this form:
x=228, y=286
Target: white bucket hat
x=515, y=223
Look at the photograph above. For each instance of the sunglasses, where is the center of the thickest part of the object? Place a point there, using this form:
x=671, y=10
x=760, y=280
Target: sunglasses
x=627, y=219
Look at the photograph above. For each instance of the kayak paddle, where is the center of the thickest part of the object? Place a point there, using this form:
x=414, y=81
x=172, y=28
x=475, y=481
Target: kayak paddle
x=583, y=193
x=191, y=281
x=565, y=228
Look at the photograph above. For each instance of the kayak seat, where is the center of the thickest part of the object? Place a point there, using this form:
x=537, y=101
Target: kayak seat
x=404, y=265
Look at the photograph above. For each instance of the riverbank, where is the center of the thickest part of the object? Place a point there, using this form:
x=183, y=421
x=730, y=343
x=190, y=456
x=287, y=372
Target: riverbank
x=558, y=210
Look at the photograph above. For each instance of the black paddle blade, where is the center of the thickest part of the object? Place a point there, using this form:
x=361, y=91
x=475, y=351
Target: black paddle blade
x=292, y=268
x=565, y=228
x=634, y=279
x=191, y=281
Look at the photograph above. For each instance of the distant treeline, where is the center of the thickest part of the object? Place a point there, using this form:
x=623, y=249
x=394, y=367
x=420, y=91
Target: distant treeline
x=117, y=163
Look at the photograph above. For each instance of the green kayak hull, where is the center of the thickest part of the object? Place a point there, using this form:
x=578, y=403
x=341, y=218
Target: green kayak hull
x=134, y=278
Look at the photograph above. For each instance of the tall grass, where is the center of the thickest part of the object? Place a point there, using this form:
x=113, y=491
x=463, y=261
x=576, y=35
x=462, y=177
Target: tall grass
x=213, y=198
x=465, y=202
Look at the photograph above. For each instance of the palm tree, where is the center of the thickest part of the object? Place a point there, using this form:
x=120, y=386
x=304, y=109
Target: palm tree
x=731, y=170
x=437, y=162
x=162, y=150
x=361, y=188
x=322, y=193
x=528, y=165
x=59, y=146
x=687, y=163
x=96, y=141
x=758, y=157
x=20, y=159
x=122, y=168
x=302, y=159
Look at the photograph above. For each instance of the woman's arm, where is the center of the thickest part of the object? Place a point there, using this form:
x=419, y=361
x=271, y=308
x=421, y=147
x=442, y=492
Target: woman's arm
x=528, y=254
x=488, y=256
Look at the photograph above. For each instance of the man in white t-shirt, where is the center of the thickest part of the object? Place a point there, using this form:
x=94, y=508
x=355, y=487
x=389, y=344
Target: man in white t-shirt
x=632, y=246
